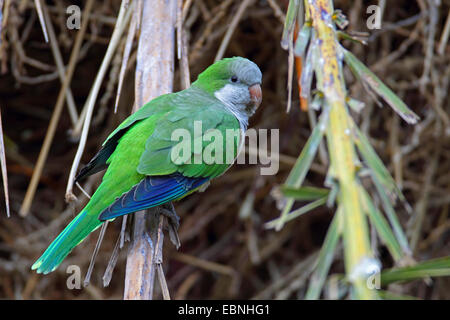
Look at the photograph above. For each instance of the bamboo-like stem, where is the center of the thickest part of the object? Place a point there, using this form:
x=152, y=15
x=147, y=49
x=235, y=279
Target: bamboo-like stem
x=154, y=77
x=341, y=147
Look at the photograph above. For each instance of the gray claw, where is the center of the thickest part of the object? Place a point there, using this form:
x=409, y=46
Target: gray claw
x=168, y=210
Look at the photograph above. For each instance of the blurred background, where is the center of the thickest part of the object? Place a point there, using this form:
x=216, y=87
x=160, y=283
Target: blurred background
x=225, y=250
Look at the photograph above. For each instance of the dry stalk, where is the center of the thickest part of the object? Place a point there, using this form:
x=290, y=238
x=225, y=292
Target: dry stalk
x=154, y=77
x=26, y=205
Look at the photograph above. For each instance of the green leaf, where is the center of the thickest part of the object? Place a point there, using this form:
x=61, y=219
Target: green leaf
x=302, y=40
x=382, y=226
x=296, y=213
x=324, y=260
x=368, y=77
x=433, y=268
x=289, y=23
x=375, y=164
x=354, y=38
x=390, y=212
x=304, y=193
x=333, y=193
x=303, y=163
x=384, y=184
x=386, y=295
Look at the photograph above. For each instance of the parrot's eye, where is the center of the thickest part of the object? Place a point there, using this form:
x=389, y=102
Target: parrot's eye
x=234, y=79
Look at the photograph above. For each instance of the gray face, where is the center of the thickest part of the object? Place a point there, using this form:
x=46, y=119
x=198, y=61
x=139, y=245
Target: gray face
x=246, y=72
x=236, y=94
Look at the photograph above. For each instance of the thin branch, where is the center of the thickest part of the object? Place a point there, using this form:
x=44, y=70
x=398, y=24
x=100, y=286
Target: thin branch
x=111, y=264
x=204, y=264
x=3, y=164
x=56, y=114
x=87, y=279
x=158, y=258
x=41, y=18
x=122, y=21
x=126, y=55
x=182, y=45
x=60, y=65
x=230, y=31
x=444, y=36
x=277, y=10
x=290, y=75
x=123, y=231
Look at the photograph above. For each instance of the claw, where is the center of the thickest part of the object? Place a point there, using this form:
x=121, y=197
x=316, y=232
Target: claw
x=168, y=210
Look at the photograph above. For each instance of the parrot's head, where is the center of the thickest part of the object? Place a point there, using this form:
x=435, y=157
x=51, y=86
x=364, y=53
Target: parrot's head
x=236, y=82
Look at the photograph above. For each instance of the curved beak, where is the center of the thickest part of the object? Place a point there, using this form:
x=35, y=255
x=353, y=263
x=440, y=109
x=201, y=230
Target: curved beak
x=255, y=94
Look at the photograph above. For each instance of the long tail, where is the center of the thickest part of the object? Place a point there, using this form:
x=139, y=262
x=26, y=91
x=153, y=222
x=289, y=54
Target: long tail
x=70, y=237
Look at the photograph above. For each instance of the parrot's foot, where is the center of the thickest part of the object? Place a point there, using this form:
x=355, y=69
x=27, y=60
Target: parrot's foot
x=168, y=210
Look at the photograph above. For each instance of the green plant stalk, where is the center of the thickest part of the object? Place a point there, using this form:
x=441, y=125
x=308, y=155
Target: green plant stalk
x=382, y=226
x=303, y=163
x=289, y=23
x=386, y=295
x=297, y=213
x=431, y=268
x=304, y=193
x=388, y=278
x=341, y=147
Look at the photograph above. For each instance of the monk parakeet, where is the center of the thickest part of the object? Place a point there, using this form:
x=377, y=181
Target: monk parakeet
x=142, y=171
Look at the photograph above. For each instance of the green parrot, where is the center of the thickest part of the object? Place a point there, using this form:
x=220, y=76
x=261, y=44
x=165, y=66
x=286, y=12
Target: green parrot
x=142, y=171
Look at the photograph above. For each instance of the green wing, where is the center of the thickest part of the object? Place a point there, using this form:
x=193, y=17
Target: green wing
x=150, y=110
x=160, y=104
